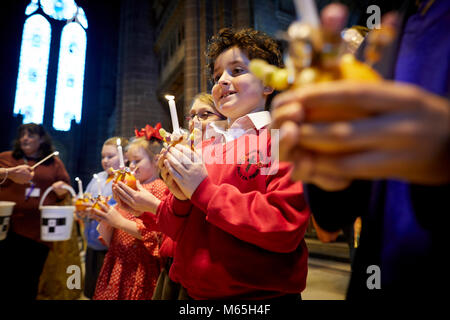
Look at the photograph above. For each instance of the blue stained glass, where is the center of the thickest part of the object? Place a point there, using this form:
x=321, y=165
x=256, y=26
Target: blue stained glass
x=32, y=7
x=33, y=64
x=59, y=9
x=70, y=79
x=81, y=17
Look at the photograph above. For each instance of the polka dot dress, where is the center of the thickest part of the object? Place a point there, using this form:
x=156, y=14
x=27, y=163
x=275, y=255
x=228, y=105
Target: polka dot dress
x=132, y=266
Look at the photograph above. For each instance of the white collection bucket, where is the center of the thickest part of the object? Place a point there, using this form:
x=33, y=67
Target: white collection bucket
x=56, y=221
x=6, y=209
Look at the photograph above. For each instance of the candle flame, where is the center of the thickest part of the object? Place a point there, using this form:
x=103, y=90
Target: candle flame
x=169, y=97
x=118, y=141
x=77, y=179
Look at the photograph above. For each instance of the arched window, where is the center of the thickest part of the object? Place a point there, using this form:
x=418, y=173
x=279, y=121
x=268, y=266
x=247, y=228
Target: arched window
x=69, y=83
x=33, y=65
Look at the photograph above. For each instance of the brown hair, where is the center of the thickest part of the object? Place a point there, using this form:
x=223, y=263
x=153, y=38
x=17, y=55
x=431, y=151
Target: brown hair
x=256, y=44
x=45, y=148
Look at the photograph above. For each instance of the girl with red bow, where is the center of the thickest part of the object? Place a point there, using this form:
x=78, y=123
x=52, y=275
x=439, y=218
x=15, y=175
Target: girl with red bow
x=132, y=264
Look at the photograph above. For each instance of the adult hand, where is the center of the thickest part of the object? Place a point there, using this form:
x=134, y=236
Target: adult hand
x=140, y=201
x=20, y=174
x=344, y=131
x=186, y=168
x=59, y=189
x=168, y=179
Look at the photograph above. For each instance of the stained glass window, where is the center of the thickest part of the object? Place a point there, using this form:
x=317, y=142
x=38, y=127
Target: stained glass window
x=59, y=9
x=69, y=82
x=32, y=7
x=33, y=63
x=81, y=17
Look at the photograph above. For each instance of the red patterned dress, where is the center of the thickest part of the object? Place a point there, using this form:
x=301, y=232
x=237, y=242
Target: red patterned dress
x=132, y=266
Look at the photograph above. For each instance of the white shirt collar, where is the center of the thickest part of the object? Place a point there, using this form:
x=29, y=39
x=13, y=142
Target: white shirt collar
x=240, y=126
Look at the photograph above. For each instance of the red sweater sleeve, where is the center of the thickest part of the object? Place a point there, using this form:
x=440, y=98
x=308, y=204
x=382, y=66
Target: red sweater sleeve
x=149, y=233
x=275, y=220
x=171, y=215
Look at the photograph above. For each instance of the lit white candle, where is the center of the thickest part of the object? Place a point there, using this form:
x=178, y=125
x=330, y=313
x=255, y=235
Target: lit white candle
x=173, y=113
x=307, y=11
x=98, y=184
x=80, y=187
x=120, y=151
x=43, y=160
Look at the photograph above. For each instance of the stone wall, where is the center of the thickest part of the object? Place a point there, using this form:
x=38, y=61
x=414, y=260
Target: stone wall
x=137, y=76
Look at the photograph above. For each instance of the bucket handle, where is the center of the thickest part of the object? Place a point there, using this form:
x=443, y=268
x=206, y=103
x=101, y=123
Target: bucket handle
x=67, y=187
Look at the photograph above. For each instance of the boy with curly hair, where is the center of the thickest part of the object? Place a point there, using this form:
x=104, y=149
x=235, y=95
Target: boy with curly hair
x=239, y=231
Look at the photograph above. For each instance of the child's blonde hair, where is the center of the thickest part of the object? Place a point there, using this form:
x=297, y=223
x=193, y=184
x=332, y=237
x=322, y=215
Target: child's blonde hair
x=205, y=98
x=152, y=147
x=113, y=141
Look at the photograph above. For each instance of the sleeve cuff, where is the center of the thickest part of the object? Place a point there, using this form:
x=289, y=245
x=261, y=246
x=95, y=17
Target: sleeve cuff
x=202, y=195
x=147, y=216
x=180, y=208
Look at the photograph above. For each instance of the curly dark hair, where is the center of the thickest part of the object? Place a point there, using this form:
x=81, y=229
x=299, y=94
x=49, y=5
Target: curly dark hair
x=256, y=44
x=45, y=148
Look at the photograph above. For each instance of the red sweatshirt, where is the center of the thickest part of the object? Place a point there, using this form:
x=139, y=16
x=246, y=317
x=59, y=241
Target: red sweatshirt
x=241, y=234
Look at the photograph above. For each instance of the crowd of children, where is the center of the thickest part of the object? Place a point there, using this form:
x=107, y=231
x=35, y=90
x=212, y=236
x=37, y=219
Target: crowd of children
x=233, y=224
x=224, y=218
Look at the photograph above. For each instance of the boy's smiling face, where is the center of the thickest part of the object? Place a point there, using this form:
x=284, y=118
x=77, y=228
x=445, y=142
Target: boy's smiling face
x=236, y=91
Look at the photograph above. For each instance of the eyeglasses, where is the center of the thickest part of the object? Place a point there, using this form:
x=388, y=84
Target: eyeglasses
x=202, y=116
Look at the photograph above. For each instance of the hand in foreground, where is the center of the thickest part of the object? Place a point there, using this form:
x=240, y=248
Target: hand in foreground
x=186, y=168
x=168, y=179
x=20, y=174
x=385, y=130
x=107, y=214
x=139, y=201
x=121, y=204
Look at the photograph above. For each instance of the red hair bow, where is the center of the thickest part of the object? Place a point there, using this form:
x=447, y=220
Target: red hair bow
x=149, y=132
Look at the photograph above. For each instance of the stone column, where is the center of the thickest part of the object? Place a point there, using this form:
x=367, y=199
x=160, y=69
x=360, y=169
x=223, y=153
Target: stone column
x=192, y=66
x=137, y=78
